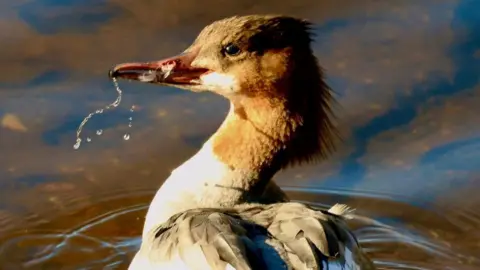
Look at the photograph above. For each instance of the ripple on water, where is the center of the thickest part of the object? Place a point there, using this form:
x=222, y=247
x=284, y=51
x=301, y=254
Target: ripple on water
x=395, y=235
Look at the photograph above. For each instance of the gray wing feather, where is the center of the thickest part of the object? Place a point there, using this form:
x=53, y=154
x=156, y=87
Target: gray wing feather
x=313, y=236
x=220, y=238
x=245, y=236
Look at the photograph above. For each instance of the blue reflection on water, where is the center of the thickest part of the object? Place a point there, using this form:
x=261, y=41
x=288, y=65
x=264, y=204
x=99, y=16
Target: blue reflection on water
x=457, y=155
x=466, y=23
x=48, y=77
x=56, y=16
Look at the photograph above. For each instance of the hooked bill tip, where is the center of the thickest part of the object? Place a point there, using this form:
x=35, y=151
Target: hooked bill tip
x=112, y=73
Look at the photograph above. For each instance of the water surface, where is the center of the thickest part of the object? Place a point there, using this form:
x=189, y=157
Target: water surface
x=406, y=76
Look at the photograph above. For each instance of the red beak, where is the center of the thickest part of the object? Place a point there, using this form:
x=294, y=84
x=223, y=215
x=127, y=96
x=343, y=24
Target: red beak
x=175, y=70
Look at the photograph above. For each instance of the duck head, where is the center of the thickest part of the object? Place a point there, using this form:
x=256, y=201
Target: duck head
x=232, y=57
x=265, y=66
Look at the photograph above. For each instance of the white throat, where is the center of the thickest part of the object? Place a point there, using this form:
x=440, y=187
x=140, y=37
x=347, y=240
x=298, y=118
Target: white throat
x=193, y=184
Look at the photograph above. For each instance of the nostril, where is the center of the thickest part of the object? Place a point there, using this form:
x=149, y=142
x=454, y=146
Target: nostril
x=170, y=63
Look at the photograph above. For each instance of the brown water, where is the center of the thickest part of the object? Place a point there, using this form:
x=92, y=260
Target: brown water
x=406, y=75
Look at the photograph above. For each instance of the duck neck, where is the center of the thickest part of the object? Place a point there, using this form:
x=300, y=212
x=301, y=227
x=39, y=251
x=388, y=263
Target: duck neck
x=254, y=138
x=234, y=166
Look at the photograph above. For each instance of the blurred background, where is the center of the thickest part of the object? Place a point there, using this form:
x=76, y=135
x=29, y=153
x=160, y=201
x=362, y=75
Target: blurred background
x=407, y=80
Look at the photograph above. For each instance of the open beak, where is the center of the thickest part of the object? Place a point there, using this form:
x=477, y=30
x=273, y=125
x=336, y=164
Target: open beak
x=175, y=70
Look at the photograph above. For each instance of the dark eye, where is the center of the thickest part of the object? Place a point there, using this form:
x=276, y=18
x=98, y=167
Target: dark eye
x=231, y=49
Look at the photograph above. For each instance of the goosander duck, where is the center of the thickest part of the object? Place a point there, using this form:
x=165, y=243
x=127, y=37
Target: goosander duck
x=221, y=208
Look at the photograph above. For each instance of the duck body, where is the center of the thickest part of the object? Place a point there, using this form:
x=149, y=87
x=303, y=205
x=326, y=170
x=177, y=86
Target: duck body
x=252, y=236
x=221, y=209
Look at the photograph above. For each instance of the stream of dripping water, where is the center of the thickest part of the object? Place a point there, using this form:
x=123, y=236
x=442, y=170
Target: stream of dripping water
x=112, y=105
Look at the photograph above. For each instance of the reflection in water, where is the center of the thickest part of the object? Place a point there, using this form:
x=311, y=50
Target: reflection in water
x=406, y=75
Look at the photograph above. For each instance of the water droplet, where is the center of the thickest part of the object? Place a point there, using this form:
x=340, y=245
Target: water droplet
x=77, y=144
x=89, y=139
x=126, y=137
x=130, y=119
x=99, y=111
